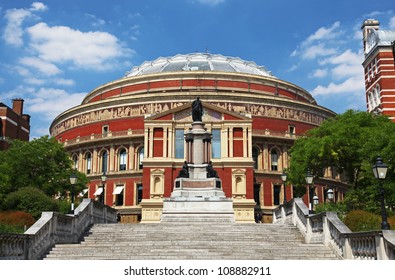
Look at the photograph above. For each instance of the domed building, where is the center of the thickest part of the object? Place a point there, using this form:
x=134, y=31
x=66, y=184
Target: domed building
x=132, y=130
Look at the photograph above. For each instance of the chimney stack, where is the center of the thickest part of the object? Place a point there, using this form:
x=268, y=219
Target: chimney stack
x=17, y=106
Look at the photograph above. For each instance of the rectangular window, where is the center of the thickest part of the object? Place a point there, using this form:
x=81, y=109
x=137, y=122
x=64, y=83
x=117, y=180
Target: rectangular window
x=139, y=193
x=291, y=129
x=179, y=148
x=216, y=143
x=105, y=130
x=119, y=194
x=276, y=194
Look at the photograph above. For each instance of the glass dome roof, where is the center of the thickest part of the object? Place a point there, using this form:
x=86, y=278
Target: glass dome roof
x=198, y=62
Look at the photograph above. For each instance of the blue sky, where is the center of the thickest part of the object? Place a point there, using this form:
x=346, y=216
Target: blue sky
x=52, y=53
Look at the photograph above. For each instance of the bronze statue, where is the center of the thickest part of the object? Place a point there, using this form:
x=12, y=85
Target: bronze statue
x=197, y=110
x=211, y=173
x=184, y=172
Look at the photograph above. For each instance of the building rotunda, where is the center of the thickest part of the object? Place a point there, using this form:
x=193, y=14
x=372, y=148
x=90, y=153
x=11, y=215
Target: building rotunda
x=132, y=129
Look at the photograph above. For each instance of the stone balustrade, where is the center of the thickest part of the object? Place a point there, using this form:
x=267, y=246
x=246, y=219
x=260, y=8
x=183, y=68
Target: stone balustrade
x=54, y=228
x=328, y=229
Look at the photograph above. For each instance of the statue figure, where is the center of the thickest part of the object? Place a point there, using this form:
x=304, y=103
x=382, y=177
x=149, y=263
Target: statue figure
x=197, y=110
x=184, y=173
x=211, y=173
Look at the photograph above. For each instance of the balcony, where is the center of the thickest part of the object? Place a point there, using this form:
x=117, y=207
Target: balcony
x=105, y=137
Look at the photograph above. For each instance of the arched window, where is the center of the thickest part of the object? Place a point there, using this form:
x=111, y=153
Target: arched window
x=88, y=160
x=122, y=159
x=274, y=160
x=141, y=158
x=376, y=95
x=370, y=101
x=104, y=162
x=75, y=162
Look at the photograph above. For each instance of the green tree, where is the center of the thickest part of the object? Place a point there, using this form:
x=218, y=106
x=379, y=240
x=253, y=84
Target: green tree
x=350, y=143
x=42, y=163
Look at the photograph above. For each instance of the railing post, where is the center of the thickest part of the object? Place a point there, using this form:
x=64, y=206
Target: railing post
x=309, y=230
x=283, y=214
x=380, y=248
x=347, y=250
x=294, y=214
x=326, y=231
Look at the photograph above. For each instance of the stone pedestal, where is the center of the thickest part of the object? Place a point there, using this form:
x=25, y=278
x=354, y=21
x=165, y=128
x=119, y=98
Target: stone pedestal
x=197, y=198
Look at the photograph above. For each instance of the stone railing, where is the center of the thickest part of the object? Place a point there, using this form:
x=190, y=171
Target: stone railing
x=54, y=228
x=328, y=229
x=105, y=136
x=274, y=134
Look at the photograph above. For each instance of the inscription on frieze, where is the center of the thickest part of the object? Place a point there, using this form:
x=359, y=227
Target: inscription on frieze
x=197, y=184
x=185, y=115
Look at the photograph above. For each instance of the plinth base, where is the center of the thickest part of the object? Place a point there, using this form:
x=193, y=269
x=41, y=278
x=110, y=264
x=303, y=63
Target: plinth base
x=198, y=205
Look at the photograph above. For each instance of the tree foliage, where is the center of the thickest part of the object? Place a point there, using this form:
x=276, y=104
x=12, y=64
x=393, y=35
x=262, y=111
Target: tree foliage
x=41, y=163
x=350, y=143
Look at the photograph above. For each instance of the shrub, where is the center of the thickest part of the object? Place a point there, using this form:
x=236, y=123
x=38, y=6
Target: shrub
x=339, y=207
x=359, y=220
x=31, y=200
x=15, y=221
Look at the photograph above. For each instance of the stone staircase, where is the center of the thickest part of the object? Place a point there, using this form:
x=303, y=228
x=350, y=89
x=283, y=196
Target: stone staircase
x=176, y=241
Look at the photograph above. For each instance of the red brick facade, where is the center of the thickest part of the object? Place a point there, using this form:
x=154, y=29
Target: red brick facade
x=379, y=68
x=13, y=123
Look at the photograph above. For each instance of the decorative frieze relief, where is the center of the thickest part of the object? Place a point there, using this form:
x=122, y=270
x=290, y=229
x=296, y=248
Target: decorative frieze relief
x=210, y=115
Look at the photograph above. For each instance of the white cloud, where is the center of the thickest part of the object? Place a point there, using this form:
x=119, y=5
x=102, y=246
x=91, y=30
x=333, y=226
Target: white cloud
x=392, y=22
x=13, y=32
x=211, y=2
x=38, y=6
x=319, y=73
x=292, y=68
x=44, y=67
x=34, y=81
x=324, y=33
x=45, y=102
x=345, y=64
x=18, y=92
x=95, y=20
x=315, y=51
x=64, y=82
x=353, y=85
x=87, y=50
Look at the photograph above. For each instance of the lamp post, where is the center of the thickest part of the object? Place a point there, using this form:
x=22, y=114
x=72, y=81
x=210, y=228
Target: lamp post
x=73, y=181
x=284, y=178
x=103, y=180
x=309, y=181
x=380, y=172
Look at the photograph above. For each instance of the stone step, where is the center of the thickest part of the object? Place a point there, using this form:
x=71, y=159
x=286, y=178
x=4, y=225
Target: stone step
x=191, y=241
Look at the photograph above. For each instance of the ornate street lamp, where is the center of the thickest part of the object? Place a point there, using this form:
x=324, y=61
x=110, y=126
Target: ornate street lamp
x=73, y=181
x=103, y=180
x=330, y=194
x=284, y=178
x=380, y=172
x=315, y=199
x=309, y=181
